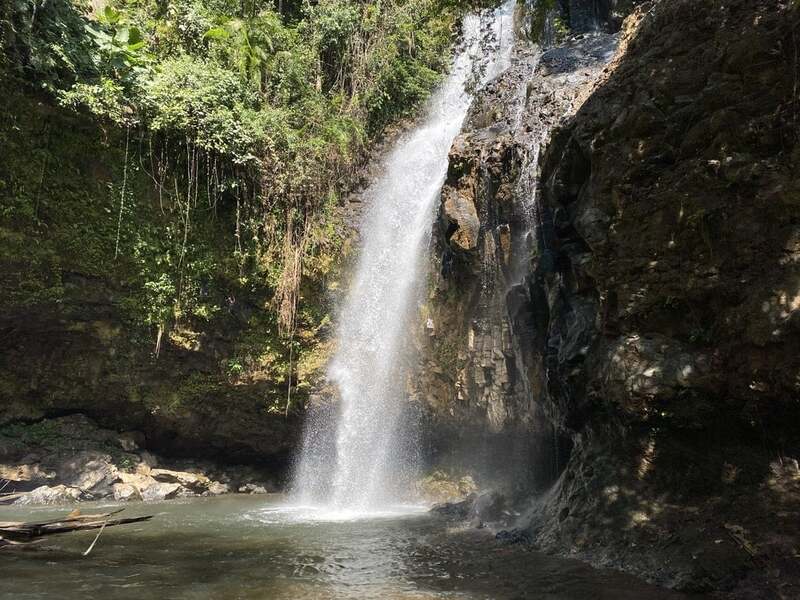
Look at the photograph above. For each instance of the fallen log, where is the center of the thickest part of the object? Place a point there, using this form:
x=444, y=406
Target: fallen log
x=10, y=498
x=13, y=533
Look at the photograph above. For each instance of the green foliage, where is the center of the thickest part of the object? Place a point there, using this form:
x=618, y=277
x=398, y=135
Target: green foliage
x=197, y=99
x=56, y=437
x=249, y=44
x=440, y=486
x=119, y=47
x=235, y=78
x=226, y=135
x=45, y=41
x=104, y=99
x=35, y=434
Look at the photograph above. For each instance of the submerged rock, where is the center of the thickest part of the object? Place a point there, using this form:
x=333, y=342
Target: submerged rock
x=455, y=510
x=476, y=509
x=514, y=536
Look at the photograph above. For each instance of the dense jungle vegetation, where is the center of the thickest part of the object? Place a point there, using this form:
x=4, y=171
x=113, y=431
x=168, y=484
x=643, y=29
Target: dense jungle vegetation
x=192, y=155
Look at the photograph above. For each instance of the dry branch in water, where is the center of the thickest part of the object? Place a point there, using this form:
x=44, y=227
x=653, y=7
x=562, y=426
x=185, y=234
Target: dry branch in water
x=15, y=533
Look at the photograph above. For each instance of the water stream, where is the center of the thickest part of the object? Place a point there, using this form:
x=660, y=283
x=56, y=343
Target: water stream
x=362, y=458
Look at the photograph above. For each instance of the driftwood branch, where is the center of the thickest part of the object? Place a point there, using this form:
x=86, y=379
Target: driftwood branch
x=11, y=497
x=14, y=533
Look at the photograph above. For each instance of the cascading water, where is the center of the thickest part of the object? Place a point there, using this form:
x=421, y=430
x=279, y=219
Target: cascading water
x=358, y=460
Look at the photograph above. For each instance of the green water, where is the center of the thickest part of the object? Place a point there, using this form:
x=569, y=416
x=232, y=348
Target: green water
x=248, y=547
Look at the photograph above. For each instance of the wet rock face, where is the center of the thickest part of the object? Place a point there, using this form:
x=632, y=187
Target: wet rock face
x=476, y=254
x=590, y=15
x=482, y=370
x=670, y=205
x=582, y=16
x=643, y=317
x=468, y=340
x=668, y=263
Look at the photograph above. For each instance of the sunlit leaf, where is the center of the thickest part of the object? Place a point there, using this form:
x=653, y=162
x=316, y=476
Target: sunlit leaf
x=111, y=15
x=217, y=33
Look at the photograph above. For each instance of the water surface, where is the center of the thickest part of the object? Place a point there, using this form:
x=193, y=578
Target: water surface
x=250, y=547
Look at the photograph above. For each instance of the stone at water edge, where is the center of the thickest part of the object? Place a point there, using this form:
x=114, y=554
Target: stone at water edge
x=252, y=488
x=25, y=476
x=477, y=509
x=191, y=481
x=58, y=494
x=125, y=492
x=97, y=477
x=216, y=488
x=161, y=491
x=455, y=510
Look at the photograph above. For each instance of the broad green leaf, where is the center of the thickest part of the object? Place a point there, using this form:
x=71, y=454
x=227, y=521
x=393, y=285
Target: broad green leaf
x=99, y=35
x=135, y=36
x=217, y=33
x=111, y=15
x=122, y=36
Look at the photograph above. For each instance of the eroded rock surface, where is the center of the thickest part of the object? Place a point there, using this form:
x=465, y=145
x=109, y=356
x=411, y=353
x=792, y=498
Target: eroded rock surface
x=637, y=309
x=479, y=376
x=670, y=205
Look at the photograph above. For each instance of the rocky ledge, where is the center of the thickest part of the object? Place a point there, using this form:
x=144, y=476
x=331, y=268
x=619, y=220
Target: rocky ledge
x=70, y=459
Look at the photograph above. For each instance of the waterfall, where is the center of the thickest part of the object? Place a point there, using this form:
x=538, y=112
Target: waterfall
x=359, y=457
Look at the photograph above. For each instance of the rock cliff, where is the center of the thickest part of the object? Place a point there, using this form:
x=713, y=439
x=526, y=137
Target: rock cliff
x=632, y=317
